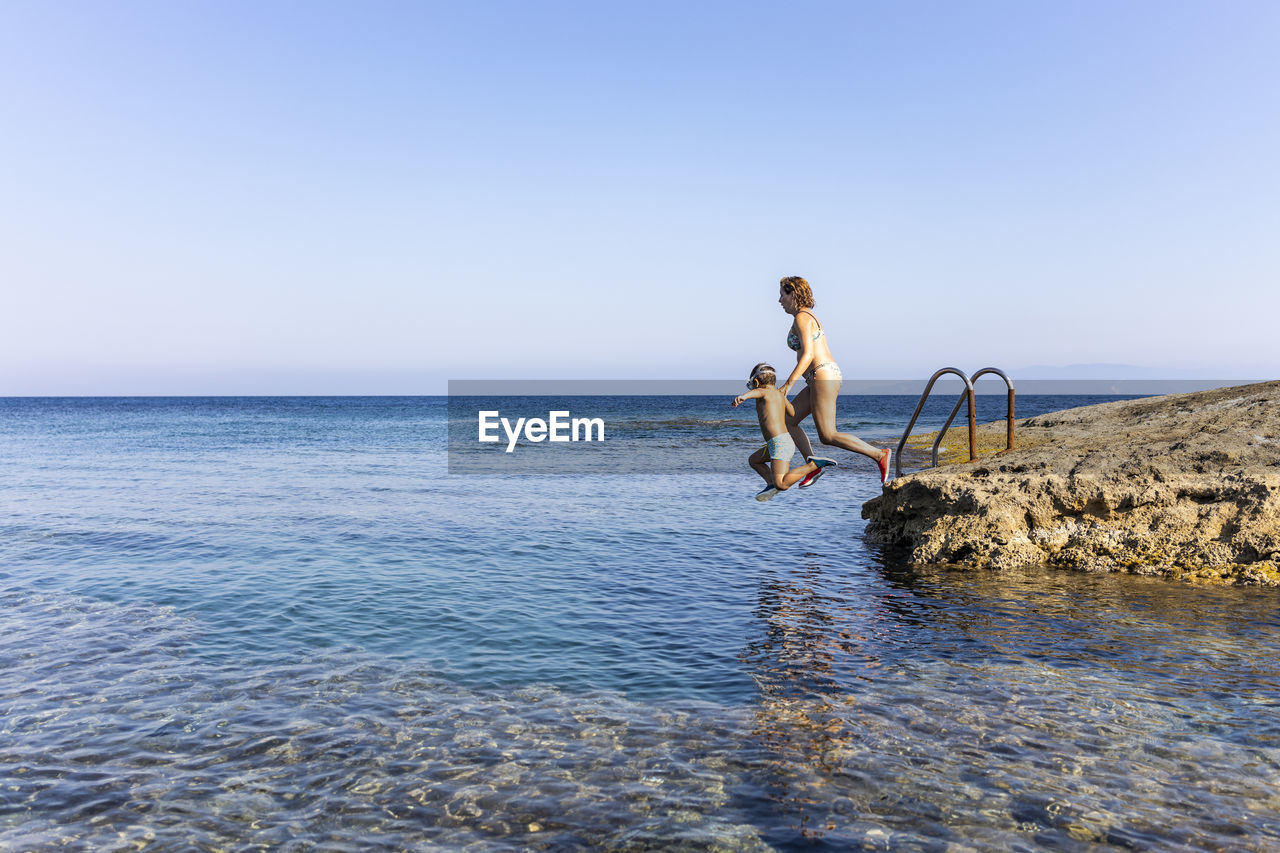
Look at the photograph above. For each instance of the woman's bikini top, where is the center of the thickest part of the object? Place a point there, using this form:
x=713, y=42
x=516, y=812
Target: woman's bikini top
x=793, y=340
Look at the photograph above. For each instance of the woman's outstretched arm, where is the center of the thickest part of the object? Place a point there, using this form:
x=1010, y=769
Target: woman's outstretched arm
x=805, y=323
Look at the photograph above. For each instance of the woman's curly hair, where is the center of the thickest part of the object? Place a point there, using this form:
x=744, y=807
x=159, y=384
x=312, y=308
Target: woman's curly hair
x=795, y=284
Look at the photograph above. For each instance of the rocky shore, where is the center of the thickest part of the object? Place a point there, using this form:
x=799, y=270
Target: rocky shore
x=1186, y=486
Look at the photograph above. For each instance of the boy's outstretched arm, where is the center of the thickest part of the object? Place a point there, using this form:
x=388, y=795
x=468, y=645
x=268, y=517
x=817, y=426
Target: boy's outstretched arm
x=753, y=394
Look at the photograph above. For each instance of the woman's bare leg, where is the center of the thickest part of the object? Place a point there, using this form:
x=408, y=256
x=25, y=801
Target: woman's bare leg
x=823, y=400
x=802, y=407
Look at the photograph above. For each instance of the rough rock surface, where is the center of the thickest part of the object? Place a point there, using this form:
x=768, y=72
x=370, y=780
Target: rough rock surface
x=1185, y=485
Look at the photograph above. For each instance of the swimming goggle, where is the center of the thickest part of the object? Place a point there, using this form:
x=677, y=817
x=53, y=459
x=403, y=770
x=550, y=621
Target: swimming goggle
x=751, y=383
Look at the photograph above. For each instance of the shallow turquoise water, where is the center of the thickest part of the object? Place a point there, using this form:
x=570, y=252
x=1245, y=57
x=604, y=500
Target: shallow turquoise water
x=263, y=622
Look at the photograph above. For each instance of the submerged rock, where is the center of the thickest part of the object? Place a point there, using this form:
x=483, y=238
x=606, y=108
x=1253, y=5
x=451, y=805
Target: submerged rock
x=1185, y=485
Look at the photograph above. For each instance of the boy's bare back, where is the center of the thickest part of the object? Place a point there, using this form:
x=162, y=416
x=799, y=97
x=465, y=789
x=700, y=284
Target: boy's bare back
x=772, y=408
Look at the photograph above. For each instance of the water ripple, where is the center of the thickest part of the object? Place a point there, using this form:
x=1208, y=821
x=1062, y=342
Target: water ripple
x=113, y=733
x=277, y=624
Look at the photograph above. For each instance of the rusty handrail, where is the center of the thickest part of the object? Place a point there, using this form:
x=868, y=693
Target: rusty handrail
x=968, y=394
x=1008, y=445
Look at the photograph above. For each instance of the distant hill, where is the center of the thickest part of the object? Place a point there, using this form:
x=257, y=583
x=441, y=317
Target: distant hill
x=1119, y=371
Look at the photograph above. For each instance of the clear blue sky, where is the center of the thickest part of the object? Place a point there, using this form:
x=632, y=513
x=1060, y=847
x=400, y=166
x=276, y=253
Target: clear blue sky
x=304, y=197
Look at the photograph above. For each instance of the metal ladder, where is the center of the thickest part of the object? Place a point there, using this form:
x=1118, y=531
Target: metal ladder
x=967, y=395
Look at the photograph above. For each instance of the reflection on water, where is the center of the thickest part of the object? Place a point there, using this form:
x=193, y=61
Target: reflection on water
x=998, y=709
x=929, y=708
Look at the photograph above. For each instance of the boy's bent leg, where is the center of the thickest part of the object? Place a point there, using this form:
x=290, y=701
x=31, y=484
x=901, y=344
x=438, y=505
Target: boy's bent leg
x=795, y=475
x=759, y=462
x=779, y=470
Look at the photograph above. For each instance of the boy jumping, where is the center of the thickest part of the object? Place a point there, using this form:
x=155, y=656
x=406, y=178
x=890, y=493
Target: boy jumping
x=772, y=407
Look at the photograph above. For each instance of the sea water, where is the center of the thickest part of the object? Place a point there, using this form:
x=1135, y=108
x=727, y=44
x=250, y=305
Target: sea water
x=280, y=623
